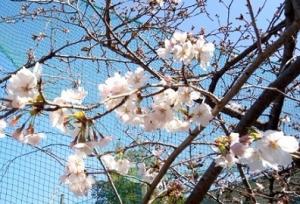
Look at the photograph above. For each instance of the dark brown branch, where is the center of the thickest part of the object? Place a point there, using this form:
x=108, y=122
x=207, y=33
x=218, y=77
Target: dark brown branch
x=107, y=22
x=268, y=96
x=254, y=26
x=246, y=183
x=288, y=51
x=241, y=56
x=43, y=59
x=252, y=114
x=245, y=76
x=260, y=59
x=168, y=163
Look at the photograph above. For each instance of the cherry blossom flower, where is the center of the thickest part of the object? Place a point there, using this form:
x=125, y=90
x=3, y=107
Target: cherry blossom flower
x=75, y=177
x=275, y=147
x=113, y=86
x=254, y=160
x=22, y=88
x=33, y=139
x=183, y=49
x=121, y=166
x=162, y=112
x=163, y=52
x=59, y=116
x=75, y=164
x=177, y=125
x=23, y=83
x=87, y=148
x=137, y=78
x=186, y=96
x=179, y=37
x=3, y=125
x=202, y=114
x=167, y=97
x=79, y=184
x=184, y=52
x=75, y=96
x=271, y=151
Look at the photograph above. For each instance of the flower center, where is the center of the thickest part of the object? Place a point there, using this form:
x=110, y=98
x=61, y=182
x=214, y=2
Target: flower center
x=273, y=144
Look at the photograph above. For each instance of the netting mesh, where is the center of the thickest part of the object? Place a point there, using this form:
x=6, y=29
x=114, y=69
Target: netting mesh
x=32, y=174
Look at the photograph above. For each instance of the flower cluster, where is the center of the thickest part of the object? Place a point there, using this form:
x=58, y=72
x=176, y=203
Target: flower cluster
x=173, y=108
x=28, y=135
x=161, y=2
x=118, y=85
x=22, y=86
x=67, y=97
x=185, y=49
x=270, y=149
x=75, y=123
x=75, y=177
x=121, y=166
x=23, y=89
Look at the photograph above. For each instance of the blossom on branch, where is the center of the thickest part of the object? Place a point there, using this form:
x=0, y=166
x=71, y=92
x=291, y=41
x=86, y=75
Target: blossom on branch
x=22, y=88
x=3, y=125
x=275, y=148
x=67, y=97
x=121, y=166
x=113, y=87
x=271, y=149
x=33, y=139
x=185, y=49
x=75, y=177
x=87, y=148
x=170, y=108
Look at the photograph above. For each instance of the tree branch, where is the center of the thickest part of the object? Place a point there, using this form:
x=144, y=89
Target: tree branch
x=252, y=114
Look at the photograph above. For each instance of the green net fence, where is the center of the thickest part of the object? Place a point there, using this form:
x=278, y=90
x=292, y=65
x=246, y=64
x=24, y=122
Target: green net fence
x=32, y=174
